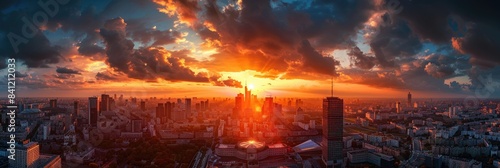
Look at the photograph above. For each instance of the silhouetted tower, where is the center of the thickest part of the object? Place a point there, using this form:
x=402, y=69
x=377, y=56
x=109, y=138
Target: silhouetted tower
x=409, y=99
x=333, y=116
x=93, y=113
x=53, y=103
x=238, y=105
x=104, y=103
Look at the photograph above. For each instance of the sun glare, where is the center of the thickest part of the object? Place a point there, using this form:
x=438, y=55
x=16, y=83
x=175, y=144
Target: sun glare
x=251, y=86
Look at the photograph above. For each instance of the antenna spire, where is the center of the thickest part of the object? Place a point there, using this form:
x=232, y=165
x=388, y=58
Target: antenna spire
x=333, y=73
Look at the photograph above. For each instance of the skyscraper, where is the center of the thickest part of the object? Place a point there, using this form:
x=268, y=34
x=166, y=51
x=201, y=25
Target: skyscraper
x=188, y=107
x=398, y=107
x=104, y=103
x=168, y=110
x=268, y=107
x=75, y=112
x=93, y=113
x=409, y=99
x=238, y=105
x=333, y=126
x=53, y=103
x=248, y=97
x=143, y=105
x=160, y=111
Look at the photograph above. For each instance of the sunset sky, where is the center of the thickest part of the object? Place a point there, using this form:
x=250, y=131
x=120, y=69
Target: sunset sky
x=211, y=48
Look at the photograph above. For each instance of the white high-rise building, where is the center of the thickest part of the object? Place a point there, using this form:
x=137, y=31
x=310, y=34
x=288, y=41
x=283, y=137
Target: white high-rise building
x=452, y=111
x=28, y=155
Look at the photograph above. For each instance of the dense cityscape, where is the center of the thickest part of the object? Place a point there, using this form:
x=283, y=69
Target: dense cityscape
x=248, y=131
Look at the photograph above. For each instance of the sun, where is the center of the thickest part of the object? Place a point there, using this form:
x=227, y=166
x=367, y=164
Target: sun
x=251, y=86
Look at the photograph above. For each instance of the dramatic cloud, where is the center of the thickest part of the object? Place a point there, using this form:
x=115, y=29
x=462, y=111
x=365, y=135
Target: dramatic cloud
x=145, y=63
x=107, y=76
x=360, y=59
x=65, y=70
x=157, y=37
x=482, y=43
x=468, y=25
x=393, y=40
x=438, y=71
x=184, y=9
x=417, y=46
x=227, y=82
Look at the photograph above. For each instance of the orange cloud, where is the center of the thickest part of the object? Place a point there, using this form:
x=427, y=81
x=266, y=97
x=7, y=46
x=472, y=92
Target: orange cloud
x=184, y=9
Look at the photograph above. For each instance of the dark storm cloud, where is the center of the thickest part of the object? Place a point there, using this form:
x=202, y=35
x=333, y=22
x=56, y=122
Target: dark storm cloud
x=471, y=26
x=360, y=59
x=387, y=79
x=145, y=63
x=333, y=24
x=20, y=32
x=425, y=73
x=63, y=76
x=157, y=37
x=439, y=71
x=65, y=70
x=482, y=43
x=21, y=75
x=315, y=61
x=34, y=57
x=106, y=76
x=88, y=45
x=270, y=36
x=394, y=39
x=154, y=63
x=283, y=32
x=18, y=74
x=184, y=9
x=485, y=80
x=230, y=82
x=444, y=65
x=73, y=17
x=118, y=48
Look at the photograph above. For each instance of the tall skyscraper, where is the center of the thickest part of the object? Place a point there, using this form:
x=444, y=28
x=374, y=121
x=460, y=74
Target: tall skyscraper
x=104, y=103
x=333, y=126
x=169, y=107
x=188, y=107
x=198, y=107
x=409, y=99
x=398, y=107
x=160, y=111
x=93, y=113
x=268, y=107
x=75, y=112
x=143, y=105
x=248, y=97
x=53, y=103
x=238, y=105
x=202, y=106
